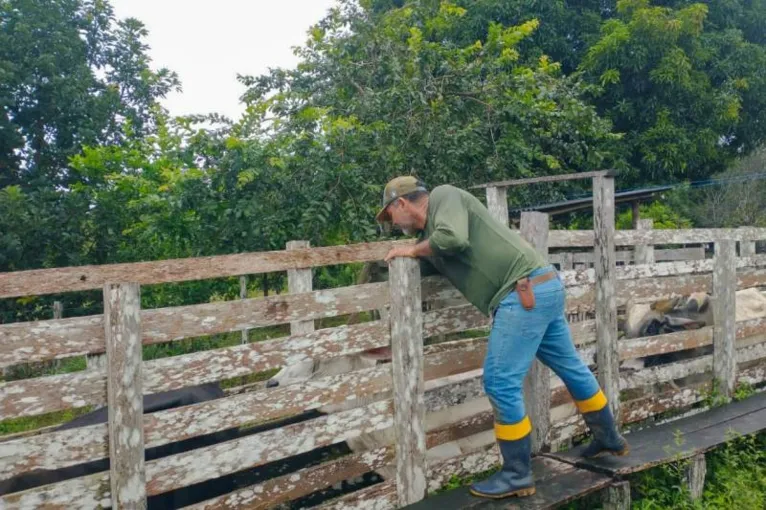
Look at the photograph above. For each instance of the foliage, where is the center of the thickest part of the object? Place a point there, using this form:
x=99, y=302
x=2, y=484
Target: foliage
x=664, y=216
x=70, y=74
x=739, y=199
x=401, y=91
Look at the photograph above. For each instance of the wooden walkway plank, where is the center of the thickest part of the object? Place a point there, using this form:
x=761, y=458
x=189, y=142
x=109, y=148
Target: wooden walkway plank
x=557, y=484
x=678, y=439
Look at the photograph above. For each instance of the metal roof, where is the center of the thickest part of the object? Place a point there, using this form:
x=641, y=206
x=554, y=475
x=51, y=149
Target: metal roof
x=587, y=202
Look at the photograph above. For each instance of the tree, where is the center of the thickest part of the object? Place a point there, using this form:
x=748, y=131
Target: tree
x=685, y=86
x=381, y=92
x=70, y=74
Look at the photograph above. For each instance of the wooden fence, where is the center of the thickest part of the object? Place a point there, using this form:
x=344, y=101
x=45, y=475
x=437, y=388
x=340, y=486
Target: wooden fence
x=420, y=381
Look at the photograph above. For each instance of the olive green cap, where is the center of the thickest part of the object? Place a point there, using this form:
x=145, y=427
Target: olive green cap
x=396, y=188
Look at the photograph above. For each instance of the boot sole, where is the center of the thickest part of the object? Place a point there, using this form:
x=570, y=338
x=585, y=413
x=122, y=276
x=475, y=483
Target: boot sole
x=518, y=493
x=602, y=453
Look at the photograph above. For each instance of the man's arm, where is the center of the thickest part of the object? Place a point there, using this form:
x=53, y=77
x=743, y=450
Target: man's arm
x=422, y=249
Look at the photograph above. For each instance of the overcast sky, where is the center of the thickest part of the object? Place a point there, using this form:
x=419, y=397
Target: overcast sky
x=208, y=42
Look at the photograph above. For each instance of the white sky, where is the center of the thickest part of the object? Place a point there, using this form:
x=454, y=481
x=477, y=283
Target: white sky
x=209, y=42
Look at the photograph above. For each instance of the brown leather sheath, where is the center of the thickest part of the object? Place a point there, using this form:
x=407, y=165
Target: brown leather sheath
x=525, y=286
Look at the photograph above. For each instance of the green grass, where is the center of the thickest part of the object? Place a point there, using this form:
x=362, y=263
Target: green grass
x=16, y=425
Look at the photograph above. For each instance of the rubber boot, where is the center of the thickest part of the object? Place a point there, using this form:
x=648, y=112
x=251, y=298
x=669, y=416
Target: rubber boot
x=515, y=477
x=606, y=437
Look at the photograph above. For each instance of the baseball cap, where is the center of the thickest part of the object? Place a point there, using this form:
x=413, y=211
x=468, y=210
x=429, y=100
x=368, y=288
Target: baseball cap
x=396, y=188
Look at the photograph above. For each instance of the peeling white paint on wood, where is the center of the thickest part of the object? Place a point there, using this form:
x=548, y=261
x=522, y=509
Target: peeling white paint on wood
x=584, y=238
x=407, y=374
x=69, y=447
x=69, y=279
x=122, y=326
x=534, y=228
x=607, y=354
x=724, y=312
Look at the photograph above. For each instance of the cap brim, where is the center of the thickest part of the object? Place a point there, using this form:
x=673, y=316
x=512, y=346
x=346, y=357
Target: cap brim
x=383, y=216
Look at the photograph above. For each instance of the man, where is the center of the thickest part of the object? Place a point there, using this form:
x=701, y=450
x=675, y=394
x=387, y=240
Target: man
x=503, y=276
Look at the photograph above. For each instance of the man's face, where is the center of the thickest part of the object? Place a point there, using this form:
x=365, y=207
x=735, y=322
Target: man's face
x=400, y=212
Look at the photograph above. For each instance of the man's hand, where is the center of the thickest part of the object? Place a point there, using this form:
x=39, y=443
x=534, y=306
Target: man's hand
x=401, y=251
x=422, y=249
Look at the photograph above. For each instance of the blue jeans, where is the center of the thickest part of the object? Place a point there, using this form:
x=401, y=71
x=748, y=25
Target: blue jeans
x=518, y=336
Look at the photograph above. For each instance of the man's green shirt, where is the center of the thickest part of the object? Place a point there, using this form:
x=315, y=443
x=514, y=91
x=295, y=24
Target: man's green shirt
x=480, y=256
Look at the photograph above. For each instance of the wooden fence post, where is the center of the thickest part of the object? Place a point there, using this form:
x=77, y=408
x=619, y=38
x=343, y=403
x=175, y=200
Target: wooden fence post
x=746, y=248
x=644, y=254
x=617, y=496
x=607, y=356
x=58, y=310
x=298, y=282
x=694, y=476
x=243, y=295
x=406, y=319
x=537, y=385
x=497, y=203
x=724, y=316
x=122, y=328
x=567, y=262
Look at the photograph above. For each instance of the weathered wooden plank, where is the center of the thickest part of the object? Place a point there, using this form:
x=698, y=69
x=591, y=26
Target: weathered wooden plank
x=80, y=389
x=407, y=368
x=617, y=496
x=67, y=337
x=243, y=295
x=669, y=255
x=306, y=481
x=584, y=238
x=724, y=312
x=537, y=384
x=452, y=320
x=663, y=344
x=694, y=476
x=169, y=324
x=663, y=373
x=582, y=297
x=544, y=178
x=699, y=433
x=122, y=326
x=607, y=354
x=644, y=252
x=69, y=447
x=299, y=281
x=557, y=483
x=683, y=340
x=497, y=203
x=753, y=374
x=27, y=342
x=205, y=463
x=70, y=279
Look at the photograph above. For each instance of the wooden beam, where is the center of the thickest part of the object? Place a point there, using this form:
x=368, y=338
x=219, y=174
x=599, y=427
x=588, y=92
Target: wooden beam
x=299, y=281
x=724, y=312
x=645, y=252
x=607, y=353
x=69, y=279
x=546, y=178
x=694, y=476
x=243, y=295
x=617, y=496
x=537, y=384
x=122, y=326
x=407, y=368
x=584, y=238
x=497, y=203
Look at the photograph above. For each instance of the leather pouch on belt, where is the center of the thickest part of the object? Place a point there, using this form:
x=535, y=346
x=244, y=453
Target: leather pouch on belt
x=526, y=294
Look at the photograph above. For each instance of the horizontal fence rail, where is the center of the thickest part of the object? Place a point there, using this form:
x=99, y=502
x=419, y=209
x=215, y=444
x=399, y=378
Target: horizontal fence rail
x=451, y=370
